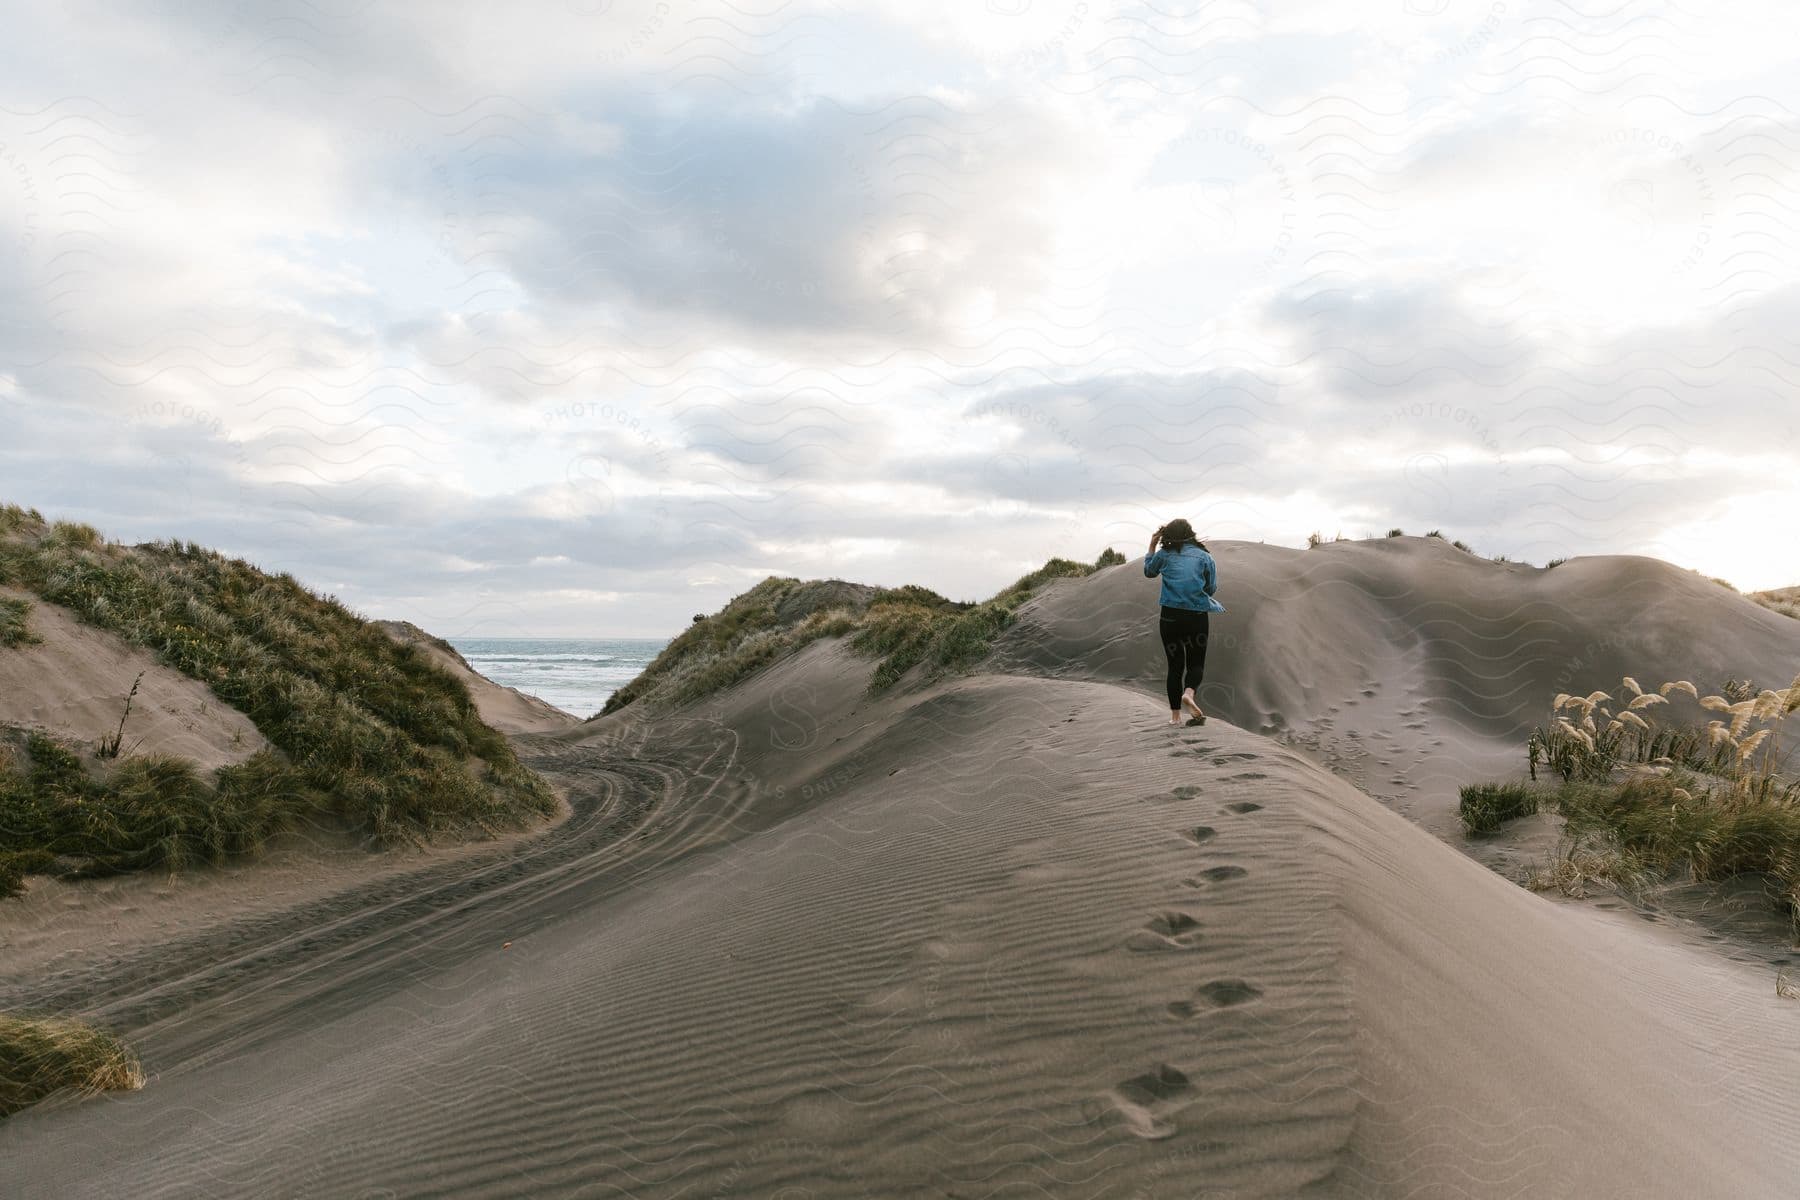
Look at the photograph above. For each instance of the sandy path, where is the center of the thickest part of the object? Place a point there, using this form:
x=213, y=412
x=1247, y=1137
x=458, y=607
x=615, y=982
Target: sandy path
x=230, y=984
x=1013, y=938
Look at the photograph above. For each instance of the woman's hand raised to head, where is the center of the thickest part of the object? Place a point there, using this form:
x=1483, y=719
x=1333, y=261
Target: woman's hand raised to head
x=1154, y=538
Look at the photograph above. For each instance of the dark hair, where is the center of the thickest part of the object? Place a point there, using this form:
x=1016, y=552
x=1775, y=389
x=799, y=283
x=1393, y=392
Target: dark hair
x=1178, y=533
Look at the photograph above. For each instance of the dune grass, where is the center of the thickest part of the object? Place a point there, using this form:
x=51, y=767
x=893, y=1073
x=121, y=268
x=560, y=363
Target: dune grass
x=43, y=1055
x=901, y=628
x=1785, y=601
x=153, y=810
x=366, y=729
x=15, y=627
x=774, y=618
x=1585, y=862
x=1587, y=740
x=1486, y=806
x=947, y=638
x=1645, y=796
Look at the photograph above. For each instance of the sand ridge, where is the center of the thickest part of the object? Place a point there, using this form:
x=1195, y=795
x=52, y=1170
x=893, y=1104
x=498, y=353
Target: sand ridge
x=1405, y=664
x=1067, y=950
x=1003, y=934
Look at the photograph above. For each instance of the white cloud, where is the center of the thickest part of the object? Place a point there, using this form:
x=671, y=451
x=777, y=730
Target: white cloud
x=536, y=315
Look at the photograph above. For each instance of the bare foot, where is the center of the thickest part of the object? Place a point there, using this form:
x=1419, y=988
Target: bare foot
x=1175, y=717
x=1193, y=707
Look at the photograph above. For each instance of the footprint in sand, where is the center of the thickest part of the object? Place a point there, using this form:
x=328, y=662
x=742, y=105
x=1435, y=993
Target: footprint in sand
x=1249, y=775
x=1202, y=833
x=1186, y=791
x=1220, y=993
x=1147, y=1101
x=1221, y=759
x=1243, y=806
x=1220, y=874
x=1165, y=932
x=1172, y=923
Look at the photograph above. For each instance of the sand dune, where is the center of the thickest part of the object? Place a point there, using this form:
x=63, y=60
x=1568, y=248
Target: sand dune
x=1409, y=666
x=1003, y=935
x=73, y=683
x=505, y=708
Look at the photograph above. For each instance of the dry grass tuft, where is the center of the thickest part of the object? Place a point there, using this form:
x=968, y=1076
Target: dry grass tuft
x=40, y=1056
x=1645, y=795
x=1582, y=864
x=1590, y=737
x=1785, y=601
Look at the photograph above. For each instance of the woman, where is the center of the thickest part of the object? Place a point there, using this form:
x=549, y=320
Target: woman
x=1189, y=577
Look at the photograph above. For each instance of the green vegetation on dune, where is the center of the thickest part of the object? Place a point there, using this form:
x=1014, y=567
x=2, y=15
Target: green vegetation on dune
x=42, y=1055
x=776, y=616
x=367, y=729
x=905, y=633
x=1642, y=797
x=1485, y=806
x=15, y=628
x=902, y=628
x=153, y=810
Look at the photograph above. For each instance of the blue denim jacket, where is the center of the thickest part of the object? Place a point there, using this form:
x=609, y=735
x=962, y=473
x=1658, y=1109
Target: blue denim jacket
x=1189, y=577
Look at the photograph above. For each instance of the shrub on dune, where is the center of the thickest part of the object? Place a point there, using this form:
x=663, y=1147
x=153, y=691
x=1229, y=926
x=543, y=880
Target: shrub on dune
x=1486, y=806
x=1710, y=798
x=365, y=728
x=1785, y=601
x=1582, y=862
x=903, y=628
x=948, y=638
x=15, y=865
x=152, y=811
x=715, y=651
x=43, y=1055
x=13, y=517
x=15, y=627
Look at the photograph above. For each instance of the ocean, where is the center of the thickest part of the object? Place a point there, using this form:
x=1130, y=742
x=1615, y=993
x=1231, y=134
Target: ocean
x=575, y=674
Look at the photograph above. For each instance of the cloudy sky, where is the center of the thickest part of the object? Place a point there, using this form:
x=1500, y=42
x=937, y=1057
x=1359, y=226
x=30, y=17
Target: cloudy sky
x=581, y=317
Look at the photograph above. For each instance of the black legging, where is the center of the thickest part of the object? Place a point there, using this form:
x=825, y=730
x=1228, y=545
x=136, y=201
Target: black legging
x=1184, y=641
